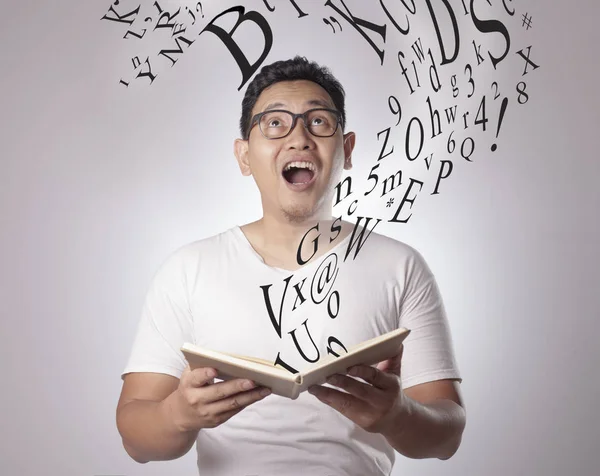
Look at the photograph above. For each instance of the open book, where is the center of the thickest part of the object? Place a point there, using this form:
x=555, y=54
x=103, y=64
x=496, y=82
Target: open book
x=280, y=380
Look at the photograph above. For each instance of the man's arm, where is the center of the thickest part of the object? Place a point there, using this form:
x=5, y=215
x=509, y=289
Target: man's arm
x=431, y=422
x=425, y=421
x=144, y=421
x=159, y=416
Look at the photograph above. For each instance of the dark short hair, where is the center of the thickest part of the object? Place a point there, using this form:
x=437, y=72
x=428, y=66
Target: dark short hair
x=294, y=69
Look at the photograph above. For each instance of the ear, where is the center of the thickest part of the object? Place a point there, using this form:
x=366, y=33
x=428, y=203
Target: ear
x=240, y=149
x=349, y=141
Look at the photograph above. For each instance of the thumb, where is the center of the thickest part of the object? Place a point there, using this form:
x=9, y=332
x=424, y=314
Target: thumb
x=384, y=365
x=392, y=364
x=199, y=377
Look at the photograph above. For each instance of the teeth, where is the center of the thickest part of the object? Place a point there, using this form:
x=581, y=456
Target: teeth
x=300, y=165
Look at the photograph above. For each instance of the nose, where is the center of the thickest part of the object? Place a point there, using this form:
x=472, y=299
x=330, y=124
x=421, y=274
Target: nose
x=299, y=137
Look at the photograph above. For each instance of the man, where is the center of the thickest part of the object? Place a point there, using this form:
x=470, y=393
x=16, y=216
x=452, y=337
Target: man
x=291, y=288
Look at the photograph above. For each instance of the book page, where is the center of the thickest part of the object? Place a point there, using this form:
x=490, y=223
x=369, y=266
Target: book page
x=369, y=352
x=251, y=359
x=227, y=363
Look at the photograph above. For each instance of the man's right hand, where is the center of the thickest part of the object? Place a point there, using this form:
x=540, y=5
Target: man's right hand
x=200, y=403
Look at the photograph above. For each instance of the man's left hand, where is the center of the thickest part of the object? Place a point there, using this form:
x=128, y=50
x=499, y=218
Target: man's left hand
x=374, y=405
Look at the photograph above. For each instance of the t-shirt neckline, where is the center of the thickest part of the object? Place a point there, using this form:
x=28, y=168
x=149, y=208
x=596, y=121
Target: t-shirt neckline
x=242, y=237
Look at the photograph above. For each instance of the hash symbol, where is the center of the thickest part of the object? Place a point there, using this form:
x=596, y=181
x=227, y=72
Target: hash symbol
x=389, y=203
x=527, y=21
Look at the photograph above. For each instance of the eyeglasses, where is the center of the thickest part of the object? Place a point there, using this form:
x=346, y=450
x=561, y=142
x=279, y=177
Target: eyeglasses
x=278, y=123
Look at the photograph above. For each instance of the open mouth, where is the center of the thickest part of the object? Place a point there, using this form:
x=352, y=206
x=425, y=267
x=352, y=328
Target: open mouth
x=299, y=173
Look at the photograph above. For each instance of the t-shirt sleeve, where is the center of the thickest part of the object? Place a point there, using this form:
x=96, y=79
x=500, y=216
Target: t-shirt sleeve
x=165, y=323
x=428, y=350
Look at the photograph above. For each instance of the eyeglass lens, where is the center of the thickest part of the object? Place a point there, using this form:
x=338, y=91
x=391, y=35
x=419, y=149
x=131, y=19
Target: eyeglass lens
x=277, y=124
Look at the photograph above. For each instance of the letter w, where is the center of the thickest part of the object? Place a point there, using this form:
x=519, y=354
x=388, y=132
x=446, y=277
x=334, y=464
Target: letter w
x=360, y=239
x=451, y=114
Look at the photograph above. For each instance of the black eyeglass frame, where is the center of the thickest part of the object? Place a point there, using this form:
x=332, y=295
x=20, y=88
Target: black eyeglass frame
x=295, y=117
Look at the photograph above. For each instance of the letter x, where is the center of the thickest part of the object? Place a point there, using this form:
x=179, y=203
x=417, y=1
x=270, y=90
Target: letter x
x=527, y=60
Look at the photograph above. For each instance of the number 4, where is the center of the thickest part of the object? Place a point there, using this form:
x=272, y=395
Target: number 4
x=481, y=111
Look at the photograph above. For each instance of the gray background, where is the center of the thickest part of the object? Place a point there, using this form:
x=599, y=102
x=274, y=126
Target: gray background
x=99, y=183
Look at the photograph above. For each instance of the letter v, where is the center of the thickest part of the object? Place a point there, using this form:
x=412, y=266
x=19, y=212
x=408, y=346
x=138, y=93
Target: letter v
x=276, y=322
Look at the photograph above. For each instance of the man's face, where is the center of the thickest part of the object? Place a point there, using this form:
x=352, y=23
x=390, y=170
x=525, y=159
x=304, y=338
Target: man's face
x=307, y=191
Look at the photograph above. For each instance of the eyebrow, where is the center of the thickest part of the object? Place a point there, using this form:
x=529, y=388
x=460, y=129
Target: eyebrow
x=312, y=102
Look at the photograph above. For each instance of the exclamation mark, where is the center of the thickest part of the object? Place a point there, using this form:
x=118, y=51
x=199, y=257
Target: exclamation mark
x=502, y=111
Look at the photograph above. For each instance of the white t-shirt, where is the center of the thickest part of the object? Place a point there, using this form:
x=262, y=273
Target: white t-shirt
x=216, y=292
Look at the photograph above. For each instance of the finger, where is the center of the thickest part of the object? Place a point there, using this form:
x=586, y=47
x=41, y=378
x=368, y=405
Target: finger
x=374, y=376
x=237, y=402
x=223, y=417
x=391, y=365
x=360, y=390
x=226, y=389
x=398, y=357
x=200, y=377
x=395, y=364
x=345, y=403
x=384, y=366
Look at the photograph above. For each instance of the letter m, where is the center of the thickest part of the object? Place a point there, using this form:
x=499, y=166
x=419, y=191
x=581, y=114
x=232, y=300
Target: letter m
x=177, y=51
x=392, y=178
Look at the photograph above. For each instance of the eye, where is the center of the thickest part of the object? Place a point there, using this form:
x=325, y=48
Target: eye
x=274, y=120
x=321, y=120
